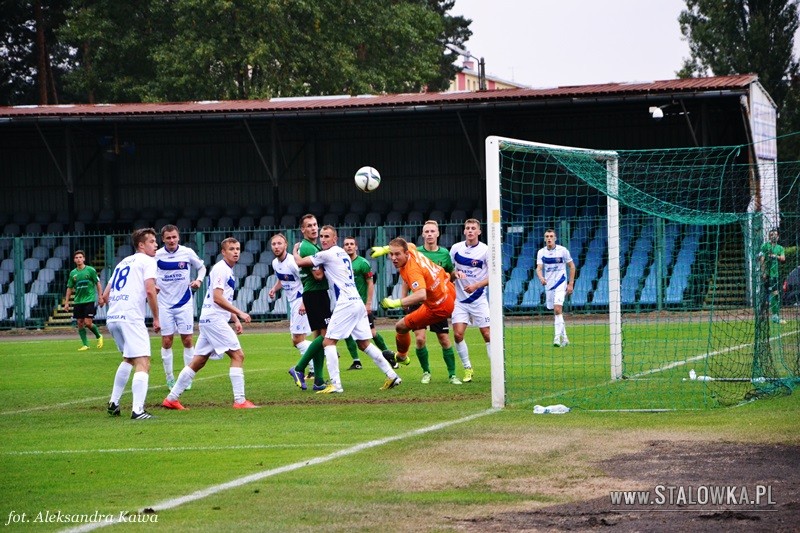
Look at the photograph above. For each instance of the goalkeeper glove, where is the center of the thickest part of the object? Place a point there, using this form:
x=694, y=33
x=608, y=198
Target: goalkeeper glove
x=390, y=303
x=378, y=251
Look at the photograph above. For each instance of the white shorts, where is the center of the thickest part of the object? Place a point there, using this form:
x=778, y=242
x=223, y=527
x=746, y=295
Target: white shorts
x=179, y=320
x=216, y=338
x=474, y=313
x=556, y=296
x=298, y=324
x=348, y=320
x=132, y=338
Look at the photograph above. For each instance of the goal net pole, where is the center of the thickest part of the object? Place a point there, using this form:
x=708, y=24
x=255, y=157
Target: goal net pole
x=494, y=241
x=614, y=290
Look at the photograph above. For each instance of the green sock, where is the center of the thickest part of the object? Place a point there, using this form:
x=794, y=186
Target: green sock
x=95, y=331
x=449, y=360
x=319, y=366
x=379, y=342
x=82, y=335
x=313, y=348
x=775, y=305
x=351, y=347
x=422, y=355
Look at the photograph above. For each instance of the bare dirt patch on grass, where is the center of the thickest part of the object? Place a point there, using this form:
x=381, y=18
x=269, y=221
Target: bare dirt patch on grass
x=684, y=473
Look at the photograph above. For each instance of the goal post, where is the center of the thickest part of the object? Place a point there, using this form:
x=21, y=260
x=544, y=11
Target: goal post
x=493, y=146
x=494, y=241
x=668, y=282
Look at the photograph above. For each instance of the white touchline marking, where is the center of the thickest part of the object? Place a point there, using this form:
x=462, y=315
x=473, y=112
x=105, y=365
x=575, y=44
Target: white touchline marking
x=105, y=398
x=161, y=449
x=238, y=482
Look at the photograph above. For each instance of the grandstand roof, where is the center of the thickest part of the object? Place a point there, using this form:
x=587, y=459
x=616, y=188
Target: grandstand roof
x=377, y=104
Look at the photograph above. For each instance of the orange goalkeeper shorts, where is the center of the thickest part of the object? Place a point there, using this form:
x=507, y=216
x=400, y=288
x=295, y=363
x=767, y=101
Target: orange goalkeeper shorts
x=425, y=316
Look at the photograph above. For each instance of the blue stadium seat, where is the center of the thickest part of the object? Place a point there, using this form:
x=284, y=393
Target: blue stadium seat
x=511, y=292
x=600, y=294
x=267, y=221
x=527, y=260
x=580, y=293
x=506, y=259
x=533, y=295
x=520, y=273
x=649, y=295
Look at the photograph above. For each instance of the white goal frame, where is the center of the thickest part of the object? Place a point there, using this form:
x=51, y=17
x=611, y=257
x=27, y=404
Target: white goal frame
x=494, y=226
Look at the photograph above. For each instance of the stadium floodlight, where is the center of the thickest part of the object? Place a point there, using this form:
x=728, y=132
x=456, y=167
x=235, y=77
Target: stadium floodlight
x=481, y=64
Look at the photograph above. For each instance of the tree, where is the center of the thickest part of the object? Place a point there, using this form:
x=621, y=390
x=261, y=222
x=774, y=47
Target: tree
x=32, y=60
x=748, y=36
x=177, y=50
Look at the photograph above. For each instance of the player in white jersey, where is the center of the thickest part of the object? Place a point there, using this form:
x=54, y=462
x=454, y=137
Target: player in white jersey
x=470, y=260
x=288, y=278
x=216, y=336
x=551, y=269
x=133, y=282
x=175, y=302
x=349, y=314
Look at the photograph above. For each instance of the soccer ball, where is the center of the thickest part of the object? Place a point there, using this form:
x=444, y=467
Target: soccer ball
x=367, y=179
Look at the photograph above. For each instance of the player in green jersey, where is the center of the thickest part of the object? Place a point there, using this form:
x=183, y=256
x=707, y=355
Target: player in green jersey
x=316, y=304
x=771, y=254
x=362, y=274
x=85, y=284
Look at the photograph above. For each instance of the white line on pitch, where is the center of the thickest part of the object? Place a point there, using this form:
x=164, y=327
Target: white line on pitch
x=238, y=482
x=172, y=449
x=706, y=355
x=105, y=398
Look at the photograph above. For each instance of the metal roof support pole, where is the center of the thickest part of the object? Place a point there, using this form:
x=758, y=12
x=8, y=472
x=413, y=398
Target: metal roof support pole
x=475, y=156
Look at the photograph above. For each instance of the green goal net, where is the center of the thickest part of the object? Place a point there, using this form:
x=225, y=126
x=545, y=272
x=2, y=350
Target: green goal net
x=672, y=306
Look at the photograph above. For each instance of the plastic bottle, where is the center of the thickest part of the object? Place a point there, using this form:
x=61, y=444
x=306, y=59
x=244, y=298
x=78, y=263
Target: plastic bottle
x=558, y=409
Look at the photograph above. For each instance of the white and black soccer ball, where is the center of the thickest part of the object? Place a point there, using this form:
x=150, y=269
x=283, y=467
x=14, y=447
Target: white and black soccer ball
x=367, y=179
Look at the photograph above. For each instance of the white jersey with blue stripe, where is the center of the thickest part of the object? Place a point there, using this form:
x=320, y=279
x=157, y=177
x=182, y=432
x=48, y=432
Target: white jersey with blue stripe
x=288, y=273
x=127, y=296
x=472, y=261
x=554, y=265
x=174, y=275
x=339, y=271
x=221, y=277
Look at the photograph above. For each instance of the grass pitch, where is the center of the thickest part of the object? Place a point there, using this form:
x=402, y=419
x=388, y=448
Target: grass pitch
x=366, y=460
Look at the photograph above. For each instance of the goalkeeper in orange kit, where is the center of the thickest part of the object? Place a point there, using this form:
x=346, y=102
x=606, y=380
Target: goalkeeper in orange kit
x=431, y=288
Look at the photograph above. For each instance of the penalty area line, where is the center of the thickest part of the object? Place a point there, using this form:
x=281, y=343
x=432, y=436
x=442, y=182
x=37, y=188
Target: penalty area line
x=239, y=482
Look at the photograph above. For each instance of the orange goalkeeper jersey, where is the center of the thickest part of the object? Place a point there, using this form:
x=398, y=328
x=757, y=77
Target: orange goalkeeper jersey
x=420, y=273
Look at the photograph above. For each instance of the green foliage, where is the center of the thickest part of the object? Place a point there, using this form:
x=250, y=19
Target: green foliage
x=162, y=50
x=33, y=61
x=742, y=36
x=749, y=36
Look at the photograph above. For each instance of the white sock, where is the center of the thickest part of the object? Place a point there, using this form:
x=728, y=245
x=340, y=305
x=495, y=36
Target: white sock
x=166, y=360
x=185, y=379
x=489, y=350
x=332, y=362
x=120, y=380
x=302, y=347
x=383, y=364
x=188, y=355
x=463, y=354
x=311, y=366
x=139, y=388
x=236, y=374
x=559, y=320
